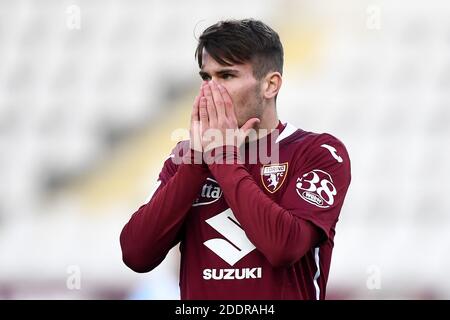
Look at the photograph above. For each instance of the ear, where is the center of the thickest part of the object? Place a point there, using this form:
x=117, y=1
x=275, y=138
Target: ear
x=272, y=84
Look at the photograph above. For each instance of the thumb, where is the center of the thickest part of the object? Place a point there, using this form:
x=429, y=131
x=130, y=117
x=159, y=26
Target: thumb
x=245, y=129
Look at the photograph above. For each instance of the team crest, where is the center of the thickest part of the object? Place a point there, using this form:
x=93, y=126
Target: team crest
x=273, y=176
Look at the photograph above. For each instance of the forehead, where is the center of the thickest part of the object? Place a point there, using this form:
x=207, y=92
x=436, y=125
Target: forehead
x=210, y=65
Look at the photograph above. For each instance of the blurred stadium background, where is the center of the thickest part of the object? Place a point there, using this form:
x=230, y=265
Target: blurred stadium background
x=90, y=92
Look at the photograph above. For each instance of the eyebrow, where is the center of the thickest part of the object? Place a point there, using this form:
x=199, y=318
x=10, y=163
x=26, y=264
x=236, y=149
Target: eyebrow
x=220, y=72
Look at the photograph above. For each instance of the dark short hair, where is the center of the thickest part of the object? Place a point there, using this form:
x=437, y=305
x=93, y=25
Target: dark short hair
x=239, y=41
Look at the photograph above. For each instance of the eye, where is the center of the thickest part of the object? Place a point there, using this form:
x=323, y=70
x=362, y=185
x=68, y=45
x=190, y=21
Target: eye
x=227, y=76
x=205, y=77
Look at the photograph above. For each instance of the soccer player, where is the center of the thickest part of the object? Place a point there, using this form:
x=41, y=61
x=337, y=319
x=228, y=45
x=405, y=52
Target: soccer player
x=259, y=229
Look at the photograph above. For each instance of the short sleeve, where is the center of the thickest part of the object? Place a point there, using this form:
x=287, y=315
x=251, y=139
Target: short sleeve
x=318, y=183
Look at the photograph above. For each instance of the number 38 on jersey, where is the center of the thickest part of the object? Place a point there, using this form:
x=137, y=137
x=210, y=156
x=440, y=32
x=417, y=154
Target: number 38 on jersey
x=317, y=188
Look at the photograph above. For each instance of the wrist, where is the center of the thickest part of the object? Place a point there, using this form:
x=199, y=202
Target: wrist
x=194, y=158
x=227, y=154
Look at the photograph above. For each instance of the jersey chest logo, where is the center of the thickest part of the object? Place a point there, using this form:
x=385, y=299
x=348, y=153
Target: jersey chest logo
x=273, y=176
x=236, y=245
x=211, y=192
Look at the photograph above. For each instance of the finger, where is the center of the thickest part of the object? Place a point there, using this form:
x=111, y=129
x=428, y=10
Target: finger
x=212, y=113
x=195, y=109
x=204, y=121
x=218, y=100
x=229, y=108
x=204, y=83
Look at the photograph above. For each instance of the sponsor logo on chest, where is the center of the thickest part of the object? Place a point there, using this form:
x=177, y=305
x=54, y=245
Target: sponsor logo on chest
x=232, y=246
x=210, y=193
x=232, y=274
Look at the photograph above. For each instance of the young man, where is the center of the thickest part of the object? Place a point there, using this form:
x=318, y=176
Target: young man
x=260, y=229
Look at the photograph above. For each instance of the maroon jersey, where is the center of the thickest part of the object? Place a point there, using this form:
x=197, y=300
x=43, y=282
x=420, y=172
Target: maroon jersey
x=248, y=231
